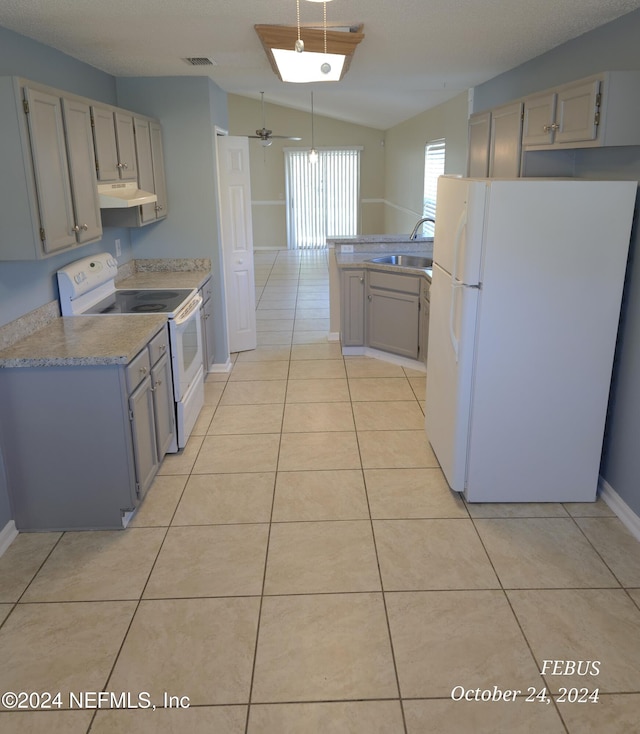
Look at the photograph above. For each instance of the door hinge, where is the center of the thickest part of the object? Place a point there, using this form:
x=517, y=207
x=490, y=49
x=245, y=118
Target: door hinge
x=138, y=490
x=130, y=415
x=25, y=106
x=596, y=119
x=42, y=235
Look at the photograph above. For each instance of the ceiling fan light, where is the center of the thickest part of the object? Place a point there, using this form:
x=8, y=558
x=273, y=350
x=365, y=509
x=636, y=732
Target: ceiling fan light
x=265, y=142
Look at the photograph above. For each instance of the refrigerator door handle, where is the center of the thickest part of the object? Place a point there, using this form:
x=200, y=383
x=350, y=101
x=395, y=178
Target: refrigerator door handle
x=462, y=223
x=452, y=331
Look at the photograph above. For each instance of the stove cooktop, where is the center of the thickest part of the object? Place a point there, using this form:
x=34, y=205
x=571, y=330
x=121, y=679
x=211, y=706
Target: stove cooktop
x=141, y=301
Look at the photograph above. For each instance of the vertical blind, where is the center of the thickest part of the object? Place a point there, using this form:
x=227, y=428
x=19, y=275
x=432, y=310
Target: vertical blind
x=323, y=197
x=433, y=168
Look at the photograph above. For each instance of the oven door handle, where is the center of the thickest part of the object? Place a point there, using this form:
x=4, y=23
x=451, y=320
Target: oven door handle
x=186, y=312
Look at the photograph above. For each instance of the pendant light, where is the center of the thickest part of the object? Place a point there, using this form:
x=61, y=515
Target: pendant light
x=313, y=153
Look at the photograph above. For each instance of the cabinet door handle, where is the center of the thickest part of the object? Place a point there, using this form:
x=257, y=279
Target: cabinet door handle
x=143, y=370
x=85, y=227
x=76, y=229
x=370, y=297
x=362, y=280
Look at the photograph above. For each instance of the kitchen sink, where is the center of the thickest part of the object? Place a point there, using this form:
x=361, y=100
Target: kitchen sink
x=408, y=261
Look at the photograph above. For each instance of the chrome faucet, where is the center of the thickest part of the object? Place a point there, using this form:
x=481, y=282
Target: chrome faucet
x=414, y=234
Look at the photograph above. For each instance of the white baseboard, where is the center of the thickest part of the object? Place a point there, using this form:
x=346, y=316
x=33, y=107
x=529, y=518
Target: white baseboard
x=333, y=336
x=7, y=535
x=412, y=364
x=220, y=367
x=628, y=517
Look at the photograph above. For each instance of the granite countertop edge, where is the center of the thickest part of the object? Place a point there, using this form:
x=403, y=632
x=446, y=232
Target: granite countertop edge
x=362, y=260
x=83, y=341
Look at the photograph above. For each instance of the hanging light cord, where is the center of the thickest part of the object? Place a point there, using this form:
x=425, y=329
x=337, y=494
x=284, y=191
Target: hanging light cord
x=324, y=12
x=312, y=148
x=299, y=45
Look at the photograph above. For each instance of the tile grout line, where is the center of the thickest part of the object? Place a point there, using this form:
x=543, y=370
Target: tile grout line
x=382, y=591
x=266, y=558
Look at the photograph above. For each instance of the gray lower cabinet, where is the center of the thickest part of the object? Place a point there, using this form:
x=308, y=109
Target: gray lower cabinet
x=393, y=313
x=163, y=406
x=206, y=320
x=352, y=308
x=83, y=443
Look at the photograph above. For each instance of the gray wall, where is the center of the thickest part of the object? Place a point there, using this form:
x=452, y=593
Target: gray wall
x=612, y=47
x=189, y=109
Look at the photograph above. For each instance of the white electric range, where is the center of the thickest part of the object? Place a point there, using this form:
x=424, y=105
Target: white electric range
x=87, y=286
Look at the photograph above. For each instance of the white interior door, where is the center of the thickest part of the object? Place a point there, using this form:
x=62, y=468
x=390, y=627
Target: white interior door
x=234, y=187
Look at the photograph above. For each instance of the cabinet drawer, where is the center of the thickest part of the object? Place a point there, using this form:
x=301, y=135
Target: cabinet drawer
x=138, y=369
x=159, y=345
x=393, y=282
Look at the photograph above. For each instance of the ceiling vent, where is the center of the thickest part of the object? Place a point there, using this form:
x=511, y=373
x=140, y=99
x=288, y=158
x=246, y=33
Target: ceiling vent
x=200, y=61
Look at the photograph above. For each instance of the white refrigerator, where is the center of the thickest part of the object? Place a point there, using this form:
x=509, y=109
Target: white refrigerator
x=527, y=285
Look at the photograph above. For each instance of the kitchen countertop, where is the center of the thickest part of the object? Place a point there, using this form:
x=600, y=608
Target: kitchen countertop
x=366, y=247
x=84, y=341
x=166, y=279
x=361, y=260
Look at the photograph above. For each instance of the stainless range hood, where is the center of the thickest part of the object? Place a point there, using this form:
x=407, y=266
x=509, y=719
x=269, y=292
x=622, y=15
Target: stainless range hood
x=123, y=195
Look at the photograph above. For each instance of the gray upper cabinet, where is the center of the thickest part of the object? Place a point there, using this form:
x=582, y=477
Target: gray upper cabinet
x=48, y=198
x=150, y=157
x=145, y=166
x=150, y=168
x=495, y=142
x=539, y=116
x=51, y=170
x=159, y=180
x=77, y=124
x=602, y=110
x=505, y=148
x=114, y=144
x=479, y=138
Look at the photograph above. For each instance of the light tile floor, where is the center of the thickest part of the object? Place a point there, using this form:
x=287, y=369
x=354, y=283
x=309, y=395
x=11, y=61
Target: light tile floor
x=302, y=567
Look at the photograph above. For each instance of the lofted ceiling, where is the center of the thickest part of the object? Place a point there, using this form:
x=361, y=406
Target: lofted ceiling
x=415, y=54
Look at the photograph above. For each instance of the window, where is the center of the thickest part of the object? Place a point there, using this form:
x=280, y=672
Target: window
x=433, y=167
x=323, y=197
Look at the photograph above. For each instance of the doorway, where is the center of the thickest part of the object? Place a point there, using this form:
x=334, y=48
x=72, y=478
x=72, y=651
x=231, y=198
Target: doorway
x=323, y=197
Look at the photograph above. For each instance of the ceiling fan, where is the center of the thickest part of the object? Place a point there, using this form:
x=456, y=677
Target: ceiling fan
x=265, y=136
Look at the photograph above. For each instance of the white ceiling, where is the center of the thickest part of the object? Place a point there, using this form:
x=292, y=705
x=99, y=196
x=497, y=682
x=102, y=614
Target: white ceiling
x=415, y=54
